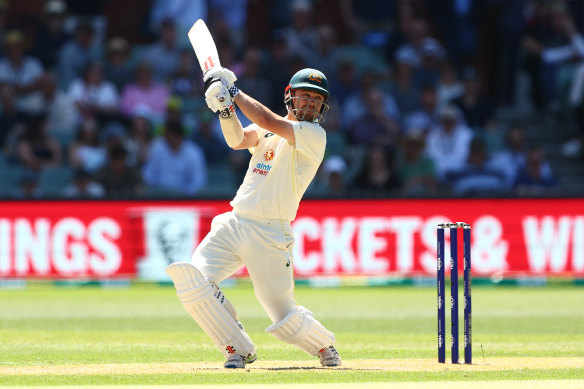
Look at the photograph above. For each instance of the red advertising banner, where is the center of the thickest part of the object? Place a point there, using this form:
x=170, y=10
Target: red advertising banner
x=95, y=239
x=529, y=237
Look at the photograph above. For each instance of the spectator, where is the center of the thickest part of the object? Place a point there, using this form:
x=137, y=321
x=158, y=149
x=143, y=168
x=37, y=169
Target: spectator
x=20, y=71
x=145, y=92
x=355, y=106
x=415, y=170
x=231, y=16
x=174, y=112
x=93, y=96
x=374, y=126
x=336, y=137
x=83, y=187
x=407, y=96
x=182, y=12
x=113, y=134
x=61, y=112
x=369, y=20
x=76, y=54
x=344, y=82
x=418, y=39
x=531, y=181
x=327, y=55
x=550, y=42
x=427, y=116
x=36, y=149
x=229, y=57
x=513, y=159
x=118, y=69
x=449, y=86
x=301, y=34
x=253, y=78
x=478, y=177
x=175, y=163
x=85, y=152
x=119, y=179
x=51, y=34
x=333, y=170
x=407, y=16
x=186, y=82
x=431, y=56
x=138, y=143
x=213, y=145
x=448, y=143
x=378, y=176
x=477, y=108
x=164, y=55
x=9, y=116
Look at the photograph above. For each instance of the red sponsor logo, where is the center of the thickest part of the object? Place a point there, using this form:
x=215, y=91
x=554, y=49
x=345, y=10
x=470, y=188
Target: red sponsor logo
x=208, y=63
x=230, y=349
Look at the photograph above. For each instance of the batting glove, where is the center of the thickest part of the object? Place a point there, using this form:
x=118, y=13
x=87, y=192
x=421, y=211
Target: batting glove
x=226, y=76
x=218, y=98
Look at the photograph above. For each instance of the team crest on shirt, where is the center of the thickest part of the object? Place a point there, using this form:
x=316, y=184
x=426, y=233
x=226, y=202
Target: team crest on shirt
x=269, y=155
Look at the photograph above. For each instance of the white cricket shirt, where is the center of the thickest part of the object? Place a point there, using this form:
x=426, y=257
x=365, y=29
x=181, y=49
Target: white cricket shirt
x=279, y=173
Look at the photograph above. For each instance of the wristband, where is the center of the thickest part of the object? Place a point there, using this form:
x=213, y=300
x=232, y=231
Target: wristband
x=233, y=91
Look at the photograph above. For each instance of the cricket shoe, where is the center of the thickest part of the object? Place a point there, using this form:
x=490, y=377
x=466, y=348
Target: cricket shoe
x=329, y=357
x=237, y=361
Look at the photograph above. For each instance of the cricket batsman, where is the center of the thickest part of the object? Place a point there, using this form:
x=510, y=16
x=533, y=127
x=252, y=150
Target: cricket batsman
x=286, y=153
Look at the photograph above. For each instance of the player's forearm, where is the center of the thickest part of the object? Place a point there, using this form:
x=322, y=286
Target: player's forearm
x=264, y=118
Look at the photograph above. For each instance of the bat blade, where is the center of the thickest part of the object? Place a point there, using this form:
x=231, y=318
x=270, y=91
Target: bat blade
x=204, y=46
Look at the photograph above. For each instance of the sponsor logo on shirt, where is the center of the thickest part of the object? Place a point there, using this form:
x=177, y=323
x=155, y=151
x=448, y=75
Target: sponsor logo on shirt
x=269, y=134
x=262, y=169
x=269, y=155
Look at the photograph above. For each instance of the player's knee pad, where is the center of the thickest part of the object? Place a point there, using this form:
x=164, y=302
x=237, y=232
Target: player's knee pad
x=301, y=329
x=207, y=304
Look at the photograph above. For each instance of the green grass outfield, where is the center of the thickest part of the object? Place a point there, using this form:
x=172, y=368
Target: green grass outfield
x=136, y=336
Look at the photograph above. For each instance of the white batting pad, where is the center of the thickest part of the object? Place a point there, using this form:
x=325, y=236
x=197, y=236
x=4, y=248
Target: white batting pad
x=301, y=329
x=205, y=302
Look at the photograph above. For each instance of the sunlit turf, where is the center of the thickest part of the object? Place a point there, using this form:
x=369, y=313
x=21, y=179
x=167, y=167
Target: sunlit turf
x=45, y=326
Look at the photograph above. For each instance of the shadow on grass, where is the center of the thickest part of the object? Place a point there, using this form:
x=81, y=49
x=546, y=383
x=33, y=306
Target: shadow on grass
x=291, y=368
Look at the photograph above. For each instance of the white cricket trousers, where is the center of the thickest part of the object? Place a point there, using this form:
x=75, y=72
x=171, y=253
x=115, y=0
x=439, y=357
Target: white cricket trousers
x=264, y=246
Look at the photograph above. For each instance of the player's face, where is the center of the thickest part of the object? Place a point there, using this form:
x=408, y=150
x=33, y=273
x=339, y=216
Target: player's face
x=308, y=104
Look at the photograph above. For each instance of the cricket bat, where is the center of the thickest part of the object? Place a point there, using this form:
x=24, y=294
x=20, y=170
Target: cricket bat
x=204, y=46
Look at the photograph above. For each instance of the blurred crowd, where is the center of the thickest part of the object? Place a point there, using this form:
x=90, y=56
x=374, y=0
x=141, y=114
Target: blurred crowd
x=415, y=90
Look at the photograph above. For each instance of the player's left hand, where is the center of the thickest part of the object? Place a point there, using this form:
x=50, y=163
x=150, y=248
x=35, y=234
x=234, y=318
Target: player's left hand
x=226, y=76
x=218, y=98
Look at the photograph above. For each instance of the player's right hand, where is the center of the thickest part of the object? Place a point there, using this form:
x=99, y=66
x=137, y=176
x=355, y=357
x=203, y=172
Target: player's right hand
x=218, y=98
x=226, y=76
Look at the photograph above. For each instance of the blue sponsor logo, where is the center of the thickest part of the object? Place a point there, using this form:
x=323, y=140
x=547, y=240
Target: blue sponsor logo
x=262, y=169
